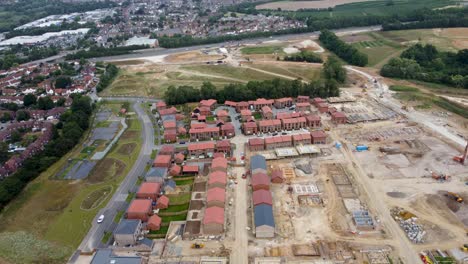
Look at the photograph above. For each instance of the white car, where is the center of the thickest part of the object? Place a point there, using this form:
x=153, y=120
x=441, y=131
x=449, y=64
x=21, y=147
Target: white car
x=100, y=219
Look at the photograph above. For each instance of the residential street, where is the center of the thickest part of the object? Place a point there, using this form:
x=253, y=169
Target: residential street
x=117, y=202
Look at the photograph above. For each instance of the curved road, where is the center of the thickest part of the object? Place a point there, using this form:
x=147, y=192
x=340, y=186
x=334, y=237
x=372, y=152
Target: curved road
x=93, y=239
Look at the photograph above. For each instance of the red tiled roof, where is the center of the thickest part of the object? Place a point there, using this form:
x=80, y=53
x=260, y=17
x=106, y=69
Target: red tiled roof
x=300, y=137
x=227, y=126
x=273, y=122
x=216, y=194
x=338, y=115
x=140, y=206
x=160, y=104
x=204, y=130
x=168, y=111
x=284, y=99
x=262, y=197
x=167, y=149
x=313, y=118
x=250, y=125
x=208, y=102
x=154, y=220
x=163, y=200
x=243, y=103
x=198, y=125
x=162, y=159
x=260, y=179
x=169, y=124
x=150, y=187
x=222, y=113
x=285, y=115
x=277, y=173
x=294, y=120
x=223, y=143
x=256, y=141
x=318, y=134
x=303, y=97
x=266, y=109
x=323, y=105
x=190, y=168
x=245, y=112
x=217, y=176
x=262, y=101
x=318, y=100
x=201, y=146
x=214, y=215
x=219, y=162
x=303, y=104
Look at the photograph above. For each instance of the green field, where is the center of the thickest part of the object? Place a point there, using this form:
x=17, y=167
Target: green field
x=55, y=206
x=379, y=7
x=238, y=73
x=303, y=71
x=262, y=50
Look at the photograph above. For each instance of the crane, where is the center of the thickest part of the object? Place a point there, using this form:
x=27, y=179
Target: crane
x=461, y=159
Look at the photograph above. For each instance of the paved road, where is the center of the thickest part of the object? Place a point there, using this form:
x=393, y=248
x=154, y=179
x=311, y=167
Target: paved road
x=117, y=202
x=141, y=54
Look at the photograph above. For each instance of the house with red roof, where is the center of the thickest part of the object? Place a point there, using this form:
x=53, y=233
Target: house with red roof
x=318, y=137
x=162, y=161
x=313, y=121
x=170, y=136
x=256, y=144
x=217, y=179
x=278, y=142
x=198, y=149
x=317, y=100
x=219, y=164
x=179, y=158
x=265, y=126
x=228, y=130
x=154, y=223
x=287, y=115
x=277, y=176
x=224, y=146
x=162, y=202
x=303, y=107
x=213, y=221
x=190, y=169
x=175, y=170
x=140, y=209
x=207, y=133
x=222, y=115
x=250, y=128
x=260, y=181
x=261, y=102
x=230, y=103
x=303, y=99
x=216, y=197
x=294, y=123
x=283, y=102
x=167, y=150
x=302, y=139
x=160, y=105
x=245, y=114
x=202, y=111
x=267, y=113
x=168, y=111
x=338, y=118
x=149, y=190
x=242, y=106
x=210, y=103
x=169, y=125
x=322, y=107
x=262, y=196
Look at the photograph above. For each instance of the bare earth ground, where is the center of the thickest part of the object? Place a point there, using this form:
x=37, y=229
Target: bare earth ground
x=295, y=5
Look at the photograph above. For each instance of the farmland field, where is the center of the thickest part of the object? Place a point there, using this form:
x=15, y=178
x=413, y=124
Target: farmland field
x=295, y=5
x=262, y=50
x=56, y=206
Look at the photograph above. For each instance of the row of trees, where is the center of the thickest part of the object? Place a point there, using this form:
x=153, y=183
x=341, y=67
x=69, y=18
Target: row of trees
x=426, y=63
x=67, y=134
x=345, y=51
x=304, y=56
x=95, y=52
x=333, y=75
x=107, y=77
x=456, y=17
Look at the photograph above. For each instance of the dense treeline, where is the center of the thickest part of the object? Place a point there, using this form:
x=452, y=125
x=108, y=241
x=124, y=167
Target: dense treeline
x=95, y=52
x=53, y=28
x=304, y=56
x=16, y=13
x=457, y=17
x=10, y=58
x=345, y=51
x=107, y=77
x=66, y=135
x=333, y=73
x=427, y=64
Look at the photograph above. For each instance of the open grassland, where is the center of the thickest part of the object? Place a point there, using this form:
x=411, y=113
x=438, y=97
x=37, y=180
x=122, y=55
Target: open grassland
x=238, y=73
x=296, y=5
x=52, y=210
x=305, y=71
x=378, y=7
x=262, y=50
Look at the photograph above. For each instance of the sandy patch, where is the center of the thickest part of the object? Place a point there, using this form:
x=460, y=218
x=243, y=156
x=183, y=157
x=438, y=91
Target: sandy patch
x=291, y=50
x=295, y=5
x=194, y=56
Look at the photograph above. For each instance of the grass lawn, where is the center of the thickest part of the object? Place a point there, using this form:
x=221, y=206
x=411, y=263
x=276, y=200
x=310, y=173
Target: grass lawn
x=175, y=208
x=262, y=50
x=162, y=231
x=103, y=124
x=257, y=115
x=303, y=71
x=403, y=88
x=167, y=219
x=179, y=198
x=106, y=237
x=119, y=216
x=239, y=73
x=55, y=205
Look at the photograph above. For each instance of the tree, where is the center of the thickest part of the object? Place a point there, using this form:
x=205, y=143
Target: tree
x=45, y=103
x=62, y=82
x=29, y=99
x=15, y=136
x=22, y=115
x=3, y=152
x=333, y=70
x=60, y=102
x=5, y=117
x=208, y=90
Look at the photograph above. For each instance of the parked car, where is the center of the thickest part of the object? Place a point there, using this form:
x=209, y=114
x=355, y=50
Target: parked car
x=100, y=219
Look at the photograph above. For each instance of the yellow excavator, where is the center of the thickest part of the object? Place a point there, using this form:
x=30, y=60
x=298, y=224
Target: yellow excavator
x=455, y=197
x=198, y=245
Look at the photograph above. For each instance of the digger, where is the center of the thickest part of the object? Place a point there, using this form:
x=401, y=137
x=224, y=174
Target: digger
x=198, y=245
x=455, y=197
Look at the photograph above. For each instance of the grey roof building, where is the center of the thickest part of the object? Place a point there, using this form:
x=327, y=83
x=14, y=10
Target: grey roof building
x=156, y=174
x=264, y=221
x=106, y=255
x=258, y=164
x=127, y=232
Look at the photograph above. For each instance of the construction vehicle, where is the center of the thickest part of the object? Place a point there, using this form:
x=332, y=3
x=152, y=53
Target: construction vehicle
x=197, y=245
x=455, y=197
x=464, y=248
x=440, y=177
x=461, y=159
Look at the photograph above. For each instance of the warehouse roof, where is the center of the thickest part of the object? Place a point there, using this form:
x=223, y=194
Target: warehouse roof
x=264, y=215
x=257, y=162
